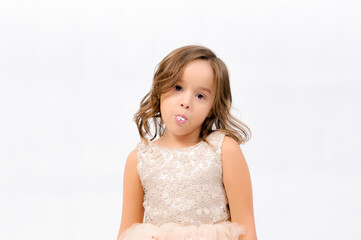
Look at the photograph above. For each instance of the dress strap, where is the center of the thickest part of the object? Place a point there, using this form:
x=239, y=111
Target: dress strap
x=142, y=152
x=216, y=139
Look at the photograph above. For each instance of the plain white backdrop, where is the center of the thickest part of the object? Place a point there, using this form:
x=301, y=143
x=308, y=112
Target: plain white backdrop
x=72, y=74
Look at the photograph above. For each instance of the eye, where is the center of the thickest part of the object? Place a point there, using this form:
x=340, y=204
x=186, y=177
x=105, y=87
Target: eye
x=200, y=96
x=178, y=88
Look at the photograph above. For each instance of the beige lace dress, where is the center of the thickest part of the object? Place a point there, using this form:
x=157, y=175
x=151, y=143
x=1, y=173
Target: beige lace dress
x=184, y=196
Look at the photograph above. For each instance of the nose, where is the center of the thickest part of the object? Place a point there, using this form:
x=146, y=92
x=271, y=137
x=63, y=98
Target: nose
x=186, y=106
x=185, y=101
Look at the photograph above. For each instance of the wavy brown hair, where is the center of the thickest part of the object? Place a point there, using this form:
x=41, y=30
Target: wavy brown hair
x=167, y=73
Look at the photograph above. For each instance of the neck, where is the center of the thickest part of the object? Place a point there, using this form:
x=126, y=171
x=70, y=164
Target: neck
x=172, y=140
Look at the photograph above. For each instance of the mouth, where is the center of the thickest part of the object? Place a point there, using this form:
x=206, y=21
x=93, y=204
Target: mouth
x=180, y=118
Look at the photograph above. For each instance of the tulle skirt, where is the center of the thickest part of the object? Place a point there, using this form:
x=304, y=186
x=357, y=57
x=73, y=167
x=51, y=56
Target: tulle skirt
x=173, y=231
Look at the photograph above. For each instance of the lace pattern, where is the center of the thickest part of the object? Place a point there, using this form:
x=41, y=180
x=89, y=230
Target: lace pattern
x=183, y=185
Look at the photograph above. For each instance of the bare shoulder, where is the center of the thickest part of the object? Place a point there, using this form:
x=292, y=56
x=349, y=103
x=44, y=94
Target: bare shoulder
x=131, y=175
x=233, y=160
x=132, y=157
x=230, y=148
x=229, y=144
x=131, y=162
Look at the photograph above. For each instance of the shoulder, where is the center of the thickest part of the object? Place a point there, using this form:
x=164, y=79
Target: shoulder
x=230, y=145
x=131, y=167
x=132, y=159
x=233, y=159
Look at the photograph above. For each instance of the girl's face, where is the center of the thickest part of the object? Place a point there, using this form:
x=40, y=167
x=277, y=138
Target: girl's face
x=185, y=107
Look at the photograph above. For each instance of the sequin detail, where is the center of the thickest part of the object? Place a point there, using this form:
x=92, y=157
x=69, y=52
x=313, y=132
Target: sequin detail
x=183, y=185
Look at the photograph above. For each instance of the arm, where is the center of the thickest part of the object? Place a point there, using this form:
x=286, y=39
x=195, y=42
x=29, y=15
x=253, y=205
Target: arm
x=133, y=210
x=237, y=182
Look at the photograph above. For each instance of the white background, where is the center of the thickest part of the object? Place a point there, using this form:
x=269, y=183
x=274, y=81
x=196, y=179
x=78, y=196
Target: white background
x=72, y=74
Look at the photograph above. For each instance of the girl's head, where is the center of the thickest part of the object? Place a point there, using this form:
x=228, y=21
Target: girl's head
x=167, y=77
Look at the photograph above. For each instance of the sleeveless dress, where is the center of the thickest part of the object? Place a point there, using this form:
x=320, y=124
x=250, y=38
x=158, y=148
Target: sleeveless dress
x=184, y=195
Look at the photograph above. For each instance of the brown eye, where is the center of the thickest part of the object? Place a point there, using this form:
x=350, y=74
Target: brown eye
x=178, y=88
x=200, y=96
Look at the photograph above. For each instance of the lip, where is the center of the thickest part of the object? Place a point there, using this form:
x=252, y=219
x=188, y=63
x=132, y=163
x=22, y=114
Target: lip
x=180, y=118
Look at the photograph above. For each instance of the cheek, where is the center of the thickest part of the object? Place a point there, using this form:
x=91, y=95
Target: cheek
x=165, y=105
x=168, y=100
x=204, y=112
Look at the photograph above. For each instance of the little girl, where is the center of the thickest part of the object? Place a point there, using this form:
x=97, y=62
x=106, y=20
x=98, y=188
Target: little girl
x=192, y=182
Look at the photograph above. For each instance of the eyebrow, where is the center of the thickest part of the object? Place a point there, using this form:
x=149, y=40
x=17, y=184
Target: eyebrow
x=207, y=90
x=202, y=88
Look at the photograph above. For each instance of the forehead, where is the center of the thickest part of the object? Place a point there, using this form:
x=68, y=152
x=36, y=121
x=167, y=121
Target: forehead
x=199, y=73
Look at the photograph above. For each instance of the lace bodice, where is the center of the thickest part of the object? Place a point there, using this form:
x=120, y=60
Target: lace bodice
x=183, y=185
